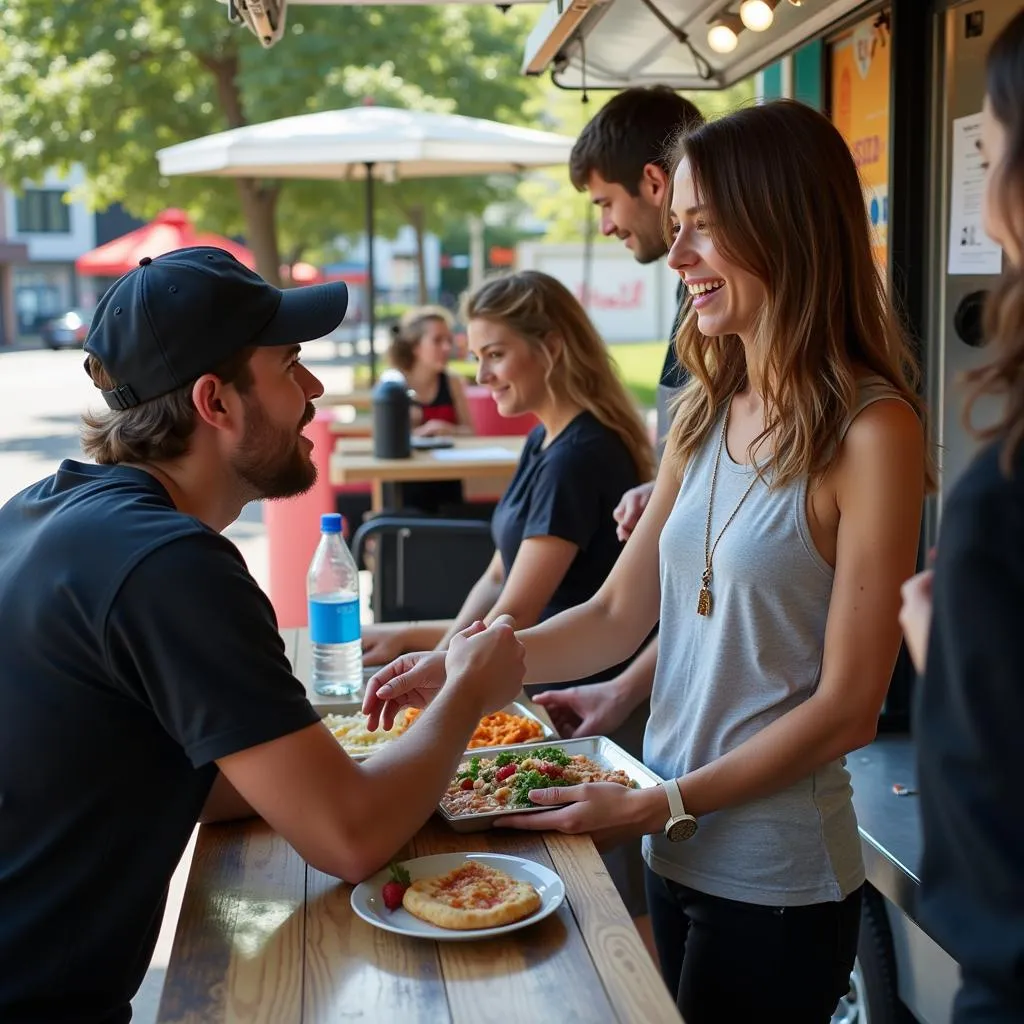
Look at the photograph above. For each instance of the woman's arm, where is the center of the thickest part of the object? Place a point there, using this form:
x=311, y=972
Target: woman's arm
x=540, y=566
x=879, y=490
x=386, y=641
x=478, y=603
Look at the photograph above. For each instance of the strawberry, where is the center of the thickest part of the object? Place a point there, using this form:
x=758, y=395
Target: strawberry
x=394, y=889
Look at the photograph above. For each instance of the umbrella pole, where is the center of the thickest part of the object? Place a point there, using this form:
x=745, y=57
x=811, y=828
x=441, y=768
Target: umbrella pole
x=371, y=296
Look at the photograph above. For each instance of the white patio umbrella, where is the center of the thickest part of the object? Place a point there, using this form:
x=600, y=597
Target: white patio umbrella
x=367, y=143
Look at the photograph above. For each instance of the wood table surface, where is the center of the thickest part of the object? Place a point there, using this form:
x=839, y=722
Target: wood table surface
x=263, y=938
x=360, y=398
x=353, y=461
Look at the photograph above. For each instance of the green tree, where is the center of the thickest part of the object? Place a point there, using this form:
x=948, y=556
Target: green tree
x=108, y=83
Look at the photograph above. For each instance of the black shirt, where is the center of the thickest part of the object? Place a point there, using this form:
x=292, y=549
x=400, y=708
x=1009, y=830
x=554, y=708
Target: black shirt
x=673, y=376
x=135, y=649
x=969, y=729
x=568, y=489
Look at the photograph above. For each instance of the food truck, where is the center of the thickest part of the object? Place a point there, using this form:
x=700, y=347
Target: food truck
x=904, y=82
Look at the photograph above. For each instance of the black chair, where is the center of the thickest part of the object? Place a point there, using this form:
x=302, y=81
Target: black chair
x=423, y=568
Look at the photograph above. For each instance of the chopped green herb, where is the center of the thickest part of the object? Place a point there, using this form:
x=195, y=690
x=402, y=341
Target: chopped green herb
x=552, y=754
x=507, y=757
x=523, y=782
x=473, y=772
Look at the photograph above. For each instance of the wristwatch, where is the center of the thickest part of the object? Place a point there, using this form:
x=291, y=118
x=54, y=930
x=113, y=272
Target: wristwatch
x=680, y=825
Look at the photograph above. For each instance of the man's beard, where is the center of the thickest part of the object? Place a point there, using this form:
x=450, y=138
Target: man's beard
x=270, y=459
x=649, y=248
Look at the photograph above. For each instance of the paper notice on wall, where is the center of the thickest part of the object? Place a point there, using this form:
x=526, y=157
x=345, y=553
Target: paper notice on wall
x=971, y=251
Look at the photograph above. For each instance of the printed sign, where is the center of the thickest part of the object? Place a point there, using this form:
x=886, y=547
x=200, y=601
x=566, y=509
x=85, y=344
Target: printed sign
x=859, y=61
x=971, y=251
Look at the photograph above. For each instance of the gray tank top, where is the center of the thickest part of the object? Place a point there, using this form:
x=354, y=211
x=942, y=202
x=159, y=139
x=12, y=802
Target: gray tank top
x=724, y=677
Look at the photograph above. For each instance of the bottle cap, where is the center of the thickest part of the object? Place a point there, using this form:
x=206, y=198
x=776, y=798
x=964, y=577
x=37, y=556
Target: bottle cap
x=330, y=522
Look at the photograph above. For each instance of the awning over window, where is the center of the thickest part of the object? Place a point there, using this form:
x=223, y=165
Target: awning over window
x=619, y=43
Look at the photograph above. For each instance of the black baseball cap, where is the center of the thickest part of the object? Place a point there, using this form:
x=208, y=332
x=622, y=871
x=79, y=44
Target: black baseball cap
x=173, y=318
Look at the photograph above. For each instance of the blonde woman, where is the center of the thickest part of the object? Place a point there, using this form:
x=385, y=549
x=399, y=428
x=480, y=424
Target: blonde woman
x=785, y=516
x=554, y=534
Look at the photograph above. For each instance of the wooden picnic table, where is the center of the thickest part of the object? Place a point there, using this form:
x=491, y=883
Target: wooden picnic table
x=469, y=459
x=360, y=425
x=263, y=938
x=359, y=398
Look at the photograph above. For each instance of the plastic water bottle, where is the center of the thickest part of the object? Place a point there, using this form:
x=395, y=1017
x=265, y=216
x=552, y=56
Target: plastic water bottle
x=333, y=591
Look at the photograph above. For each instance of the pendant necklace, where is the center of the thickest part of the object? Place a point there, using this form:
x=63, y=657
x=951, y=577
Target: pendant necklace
x=704, y=598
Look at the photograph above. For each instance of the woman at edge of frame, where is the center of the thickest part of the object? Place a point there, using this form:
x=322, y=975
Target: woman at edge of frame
x=963, y=625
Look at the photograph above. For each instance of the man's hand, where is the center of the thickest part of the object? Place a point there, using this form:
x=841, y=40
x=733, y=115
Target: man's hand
x=916, y=616
x=491, y=660
x=491, y=663
x=409, y=681
x=629, y=509
x=593, y=710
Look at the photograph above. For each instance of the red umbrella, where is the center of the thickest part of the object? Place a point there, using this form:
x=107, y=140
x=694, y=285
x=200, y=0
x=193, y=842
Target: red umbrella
x=168, y=231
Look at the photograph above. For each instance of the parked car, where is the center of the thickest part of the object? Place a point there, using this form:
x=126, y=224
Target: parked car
x=67, y=330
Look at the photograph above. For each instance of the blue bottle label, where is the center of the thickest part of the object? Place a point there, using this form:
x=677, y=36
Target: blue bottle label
x=333, y=620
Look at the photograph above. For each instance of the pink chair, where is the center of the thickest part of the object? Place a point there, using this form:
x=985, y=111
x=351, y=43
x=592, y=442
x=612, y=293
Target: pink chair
x=293, y=530
x=488, y=422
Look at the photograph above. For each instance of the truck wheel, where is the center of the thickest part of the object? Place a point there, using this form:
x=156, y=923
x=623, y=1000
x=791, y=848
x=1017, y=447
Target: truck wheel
x=872, y=996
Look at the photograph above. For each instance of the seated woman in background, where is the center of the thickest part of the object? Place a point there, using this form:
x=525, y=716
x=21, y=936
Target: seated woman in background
x=421, y=347
x=553, y=528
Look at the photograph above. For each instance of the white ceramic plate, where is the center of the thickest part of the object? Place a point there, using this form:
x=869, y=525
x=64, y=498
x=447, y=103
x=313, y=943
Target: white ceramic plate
x=368, y=904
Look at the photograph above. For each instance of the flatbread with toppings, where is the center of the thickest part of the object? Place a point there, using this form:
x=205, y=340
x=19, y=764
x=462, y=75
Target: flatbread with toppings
x=473, y=895
x=484, y=785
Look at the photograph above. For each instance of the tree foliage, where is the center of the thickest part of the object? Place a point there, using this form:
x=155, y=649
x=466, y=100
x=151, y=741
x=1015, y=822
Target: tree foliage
x=107, y=83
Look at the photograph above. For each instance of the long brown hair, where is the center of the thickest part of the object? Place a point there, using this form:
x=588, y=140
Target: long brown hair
x=1003, y=375
x=155, y=431
x=536, y=306
x=785, y=203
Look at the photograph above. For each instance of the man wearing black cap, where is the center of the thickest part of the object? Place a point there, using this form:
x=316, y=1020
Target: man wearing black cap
x=143, y=682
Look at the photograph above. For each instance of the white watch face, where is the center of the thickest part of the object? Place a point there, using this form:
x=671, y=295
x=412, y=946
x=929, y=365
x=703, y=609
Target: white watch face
x=680, y=829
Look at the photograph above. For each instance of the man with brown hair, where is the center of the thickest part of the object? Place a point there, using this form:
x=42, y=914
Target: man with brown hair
x=143, y=682
x=622, y=159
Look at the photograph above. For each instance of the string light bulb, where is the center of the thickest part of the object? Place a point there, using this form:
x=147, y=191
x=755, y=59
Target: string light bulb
x=757, y=15
x=723, y=33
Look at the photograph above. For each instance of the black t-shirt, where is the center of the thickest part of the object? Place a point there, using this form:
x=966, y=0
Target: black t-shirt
x=135, y=650
x=568, y=489
x=969, y=725
x=673, y=376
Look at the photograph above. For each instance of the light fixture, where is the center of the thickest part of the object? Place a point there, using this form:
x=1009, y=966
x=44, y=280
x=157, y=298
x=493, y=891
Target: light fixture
x=722, y=35
x=757, y=15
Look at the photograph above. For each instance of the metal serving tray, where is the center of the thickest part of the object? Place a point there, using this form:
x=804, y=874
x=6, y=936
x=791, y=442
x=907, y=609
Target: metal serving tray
x=515, y=708
x=598, y=748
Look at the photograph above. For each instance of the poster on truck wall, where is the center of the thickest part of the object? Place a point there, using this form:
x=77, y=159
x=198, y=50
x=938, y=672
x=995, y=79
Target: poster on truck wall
x=859, y=62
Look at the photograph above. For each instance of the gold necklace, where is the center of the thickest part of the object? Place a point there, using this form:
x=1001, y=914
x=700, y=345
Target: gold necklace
x=704, y=598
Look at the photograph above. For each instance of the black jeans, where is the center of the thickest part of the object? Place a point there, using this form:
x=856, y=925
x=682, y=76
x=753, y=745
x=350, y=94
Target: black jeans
x=745, y=962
